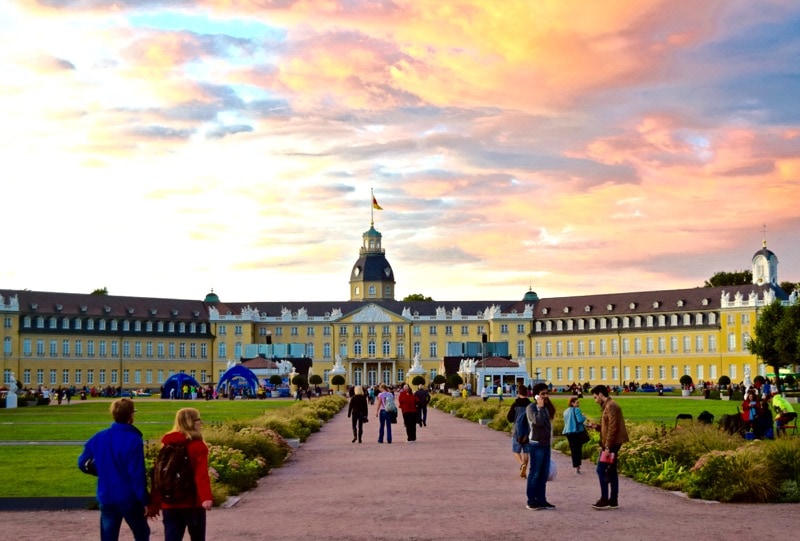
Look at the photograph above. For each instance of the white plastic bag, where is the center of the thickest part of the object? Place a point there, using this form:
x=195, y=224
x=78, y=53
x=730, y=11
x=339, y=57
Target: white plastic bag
x=551, y=474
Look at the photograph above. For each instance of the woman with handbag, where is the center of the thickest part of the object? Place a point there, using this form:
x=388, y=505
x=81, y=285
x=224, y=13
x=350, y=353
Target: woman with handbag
x=358, y=410
x=575, y=431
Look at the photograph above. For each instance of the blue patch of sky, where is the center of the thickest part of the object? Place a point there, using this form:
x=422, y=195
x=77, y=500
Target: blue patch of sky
x=203, y=24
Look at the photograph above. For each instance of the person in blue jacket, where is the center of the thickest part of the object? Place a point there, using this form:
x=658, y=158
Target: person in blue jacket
x=116, y=456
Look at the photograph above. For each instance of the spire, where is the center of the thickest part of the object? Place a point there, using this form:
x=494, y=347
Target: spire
x=764, y=235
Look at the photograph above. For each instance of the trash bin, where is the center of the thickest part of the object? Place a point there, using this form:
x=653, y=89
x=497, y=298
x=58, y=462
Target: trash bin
x=83, y=395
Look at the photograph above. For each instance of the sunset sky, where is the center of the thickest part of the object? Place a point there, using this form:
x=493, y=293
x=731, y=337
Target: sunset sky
x=165, y=148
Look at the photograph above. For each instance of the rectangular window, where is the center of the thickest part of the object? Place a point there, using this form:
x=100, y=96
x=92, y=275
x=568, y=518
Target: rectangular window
x=53, y=348
x=53, y=376
x=114, y=377
x=434, y=350
x=78, y=376
x=90, y=376
x=102, y=376
x=26, y=376
x=148, y=376
x=137, y=376
x=40, y=376
x=521, y=328
x=65, y=376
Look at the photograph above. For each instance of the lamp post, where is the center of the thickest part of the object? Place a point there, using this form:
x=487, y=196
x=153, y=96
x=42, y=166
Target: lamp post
x=619, y=350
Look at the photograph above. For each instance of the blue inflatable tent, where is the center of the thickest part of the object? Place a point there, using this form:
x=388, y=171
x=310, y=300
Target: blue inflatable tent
x=173, y=387
x=240, y=377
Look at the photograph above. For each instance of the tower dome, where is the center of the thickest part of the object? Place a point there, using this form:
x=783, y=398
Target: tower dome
x=765, y=266
x=212, y=298
x=371, y=277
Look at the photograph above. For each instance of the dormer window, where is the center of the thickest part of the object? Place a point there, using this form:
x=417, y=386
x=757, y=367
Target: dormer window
x=680, y=302
x=130, y=310
x=59, y=307
x=609, y=307
x=107, y=309
x=84, y=308
x=656, y=304
x=544, y=311
x=588, y=308
x=153, y=311
x=632, y=305
x=174, y=312
x=566, y=309
x=704, y=302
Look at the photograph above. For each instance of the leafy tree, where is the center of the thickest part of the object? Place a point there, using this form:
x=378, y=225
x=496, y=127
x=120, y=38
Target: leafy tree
x=315, y=379
x=736, y=278
x=417, y=297
x=788, y=287
x=275, y=379
x=300, y=381
x=337, y=380
x=418, y=380
x=101, y=291
x=454, y=380
x=686, y=381
x=438, y=379
x=777, y=336
x=724, y=381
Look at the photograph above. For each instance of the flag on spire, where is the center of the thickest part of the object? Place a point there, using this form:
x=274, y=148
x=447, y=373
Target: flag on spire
x=375, y=204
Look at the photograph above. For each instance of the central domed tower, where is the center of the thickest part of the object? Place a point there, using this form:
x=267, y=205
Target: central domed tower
x=372, y=278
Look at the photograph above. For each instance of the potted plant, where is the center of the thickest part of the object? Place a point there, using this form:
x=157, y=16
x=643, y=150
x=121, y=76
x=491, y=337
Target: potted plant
x=337, y=380
x=723, y=383
x=453, y=381
x=300, y=381
x=418, y=380
x=438, y=380
x=276, y=381
x=686, y=382
x=315, y=380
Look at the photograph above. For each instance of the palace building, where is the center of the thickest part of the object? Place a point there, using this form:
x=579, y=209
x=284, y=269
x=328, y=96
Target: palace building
x=63, y=339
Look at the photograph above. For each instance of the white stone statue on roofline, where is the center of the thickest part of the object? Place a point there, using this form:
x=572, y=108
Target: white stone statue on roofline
x=416, y=367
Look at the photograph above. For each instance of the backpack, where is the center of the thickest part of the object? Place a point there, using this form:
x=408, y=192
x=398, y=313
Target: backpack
x=173, y=476
x=388, y=403
x=522, y=428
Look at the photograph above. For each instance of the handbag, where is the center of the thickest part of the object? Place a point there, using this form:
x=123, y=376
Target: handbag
x=606, y=456
x=552, y=471
x=365, y=418
x=583, y=435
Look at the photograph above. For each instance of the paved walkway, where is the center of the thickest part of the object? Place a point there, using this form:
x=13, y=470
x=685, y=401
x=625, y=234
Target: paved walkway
x=458, y=481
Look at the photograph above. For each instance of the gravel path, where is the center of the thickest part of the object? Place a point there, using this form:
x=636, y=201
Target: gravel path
x=458, y=481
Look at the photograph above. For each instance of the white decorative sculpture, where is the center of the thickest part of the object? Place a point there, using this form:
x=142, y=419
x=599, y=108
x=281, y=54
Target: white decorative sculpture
x=11, y=397
x=416, y=367
x=338, y=367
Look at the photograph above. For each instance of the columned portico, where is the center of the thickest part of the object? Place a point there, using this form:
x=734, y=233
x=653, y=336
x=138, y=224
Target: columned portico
x=371, y=372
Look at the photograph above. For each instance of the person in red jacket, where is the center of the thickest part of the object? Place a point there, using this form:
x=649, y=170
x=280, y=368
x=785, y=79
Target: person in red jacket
x=191, y=513
x=408, y=405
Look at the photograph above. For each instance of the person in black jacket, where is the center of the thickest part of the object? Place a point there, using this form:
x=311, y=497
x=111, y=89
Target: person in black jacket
x=358, y=410
x=518, y=408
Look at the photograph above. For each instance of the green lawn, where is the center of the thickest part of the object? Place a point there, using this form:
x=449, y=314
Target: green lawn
x=51, y=470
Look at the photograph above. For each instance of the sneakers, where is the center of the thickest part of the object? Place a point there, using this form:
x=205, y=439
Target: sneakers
x=546, y=506
x=602, y=504
x=612, y=504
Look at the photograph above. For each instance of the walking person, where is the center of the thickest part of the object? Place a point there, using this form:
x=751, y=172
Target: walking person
x=612, y=435
x=539, y=448
x=358, y=410
x=519, y=450
x=385, y=410
x=116, y=456
x=575, y=431
x=408, y=405
x=423, y=399
x=190, y=512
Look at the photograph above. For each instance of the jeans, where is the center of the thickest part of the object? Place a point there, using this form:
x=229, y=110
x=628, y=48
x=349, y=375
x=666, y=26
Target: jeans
x=538, y=469
x=423, y=415
x=607, y=474
x=111, y=519
x=358, y=426
x=176, y=521
x=385, y=421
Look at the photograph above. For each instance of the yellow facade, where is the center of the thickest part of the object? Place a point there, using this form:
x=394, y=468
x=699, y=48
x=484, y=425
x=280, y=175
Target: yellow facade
x=67, y=339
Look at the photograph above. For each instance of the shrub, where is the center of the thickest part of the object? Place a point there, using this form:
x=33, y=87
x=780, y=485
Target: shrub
x=686, y=380
x=231, y=467
x=315, y=379
x=454, y=380
x=439, y=379
x=724, y=380
x=337, y=380
x=300, y=381
x=418, y=380
x=275, y=379
x=732, y=476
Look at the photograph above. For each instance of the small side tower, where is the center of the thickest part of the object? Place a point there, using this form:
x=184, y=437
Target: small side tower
x=765, y=266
